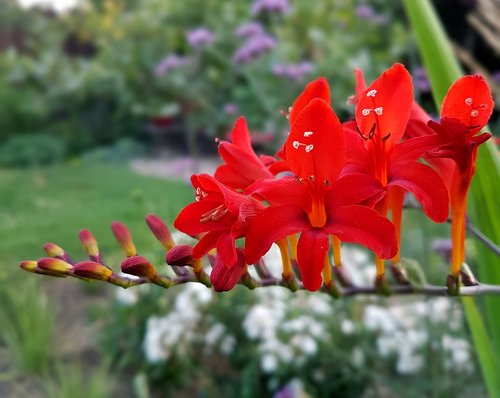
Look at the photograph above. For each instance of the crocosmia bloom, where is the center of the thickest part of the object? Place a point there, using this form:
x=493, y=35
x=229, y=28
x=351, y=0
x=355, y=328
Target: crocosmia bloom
x=375, y=147
x=315, y=203
x=466, y=109
x=219, y=213
x=242, y=166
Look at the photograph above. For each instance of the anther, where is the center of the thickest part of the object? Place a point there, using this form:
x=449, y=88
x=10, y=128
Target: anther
x=468, y=101
x=371, y=93
x=474, y=113
x=296, y=144
x=365, y=112
x=309, y=148
x=379, y=110
x=308, y=133
x=386, y=137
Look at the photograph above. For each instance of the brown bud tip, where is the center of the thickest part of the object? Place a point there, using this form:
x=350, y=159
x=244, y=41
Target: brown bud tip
x=29, y=265
x=92, y=270
x=124, y=238
x=139, y=266
x=160, y=231
x=180, y=255
x=54, y=265
x=224, y=278
x=53, y=250
x=89, y=242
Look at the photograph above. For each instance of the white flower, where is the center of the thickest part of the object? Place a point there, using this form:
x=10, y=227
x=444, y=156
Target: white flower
x=347, y=327
x=269, y=363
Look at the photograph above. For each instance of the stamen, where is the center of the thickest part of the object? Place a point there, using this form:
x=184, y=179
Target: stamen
x=214, y=214
x=309, y=148
x=308, y=133
x=371, y=93
x=379, y=110
x=386, y=137
x=474, y=113
x=365, y=112
x=296, y=144
x=468, y=101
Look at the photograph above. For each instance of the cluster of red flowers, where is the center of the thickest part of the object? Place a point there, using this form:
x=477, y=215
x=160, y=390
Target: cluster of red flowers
x=334, y=182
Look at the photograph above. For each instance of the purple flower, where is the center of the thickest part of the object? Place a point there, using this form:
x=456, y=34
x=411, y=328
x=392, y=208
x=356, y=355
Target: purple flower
x=285, y=392
x=254, y=47
x=420, y=80
x=199, y=37
x=365, y=11
x=249, y=29
x=495, y=77
x=294, y=72
x=261, y=6
x=230, y=108
x=442, y=247
x=170, y=62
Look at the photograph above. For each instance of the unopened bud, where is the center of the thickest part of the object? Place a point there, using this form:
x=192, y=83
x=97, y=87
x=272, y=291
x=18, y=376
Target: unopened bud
x=399, y=274
x=124, y=238
x=139, y=266
x=56, y=251
x=55, y=265
x=180, y=255
x=468, y=278
x=89, y=243
x=53, y=250
x=28, y=265
x=224, y=278
x=92, y=270
x=453, y=285
x=160, y=231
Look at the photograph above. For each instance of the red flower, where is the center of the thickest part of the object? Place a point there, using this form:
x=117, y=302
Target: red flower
x=382, y=114
x=242, y=166
x=466, y=109
x=316, y=203
x=219, y=212
x=316, y=89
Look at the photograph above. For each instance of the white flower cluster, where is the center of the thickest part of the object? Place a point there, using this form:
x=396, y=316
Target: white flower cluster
x=176, y=332
x=403, y=331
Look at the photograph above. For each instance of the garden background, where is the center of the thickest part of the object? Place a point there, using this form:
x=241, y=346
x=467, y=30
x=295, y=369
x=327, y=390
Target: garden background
x=107, y=107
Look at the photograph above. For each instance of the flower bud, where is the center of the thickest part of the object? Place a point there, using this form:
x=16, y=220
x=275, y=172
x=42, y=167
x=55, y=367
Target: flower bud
x=124, y=238
x=89, y=243
x=55, y=265
x=160, y=231
x=139, y=266
x=53, y=250
x=180, y=255
x=224, y=278
x=28, y=265
x=92, y=270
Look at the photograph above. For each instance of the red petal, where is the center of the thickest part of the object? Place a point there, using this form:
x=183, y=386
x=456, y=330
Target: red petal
x=286, y=190
x=425, y=184
x=388, y=102
x=270, y=225
x=311, y=250
x=316, y=144
x=230, y=177
x=226, y=249
x=353, y=189
x=417, y=124
x=244, y=162
x=188, y=220
x=224, y=278
x=362, y=225
x=240, y=135
x=360, y=84
x=207, y=243
x=413, y=148
x=316, y=89
x=465, y=97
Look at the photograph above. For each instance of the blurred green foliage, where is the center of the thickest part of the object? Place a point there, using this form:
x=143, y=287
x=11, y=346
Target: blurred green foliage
x=87, y=77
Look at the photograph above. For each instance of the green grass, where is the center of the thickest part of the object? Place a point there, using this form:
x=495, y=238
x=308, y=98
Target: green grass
x=53, y=204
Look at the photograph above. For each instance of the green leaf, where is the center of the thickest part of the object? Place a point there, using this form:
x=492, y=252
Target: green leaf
x=443, y=68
